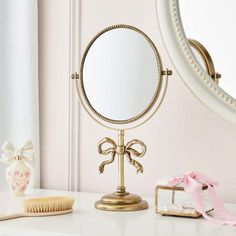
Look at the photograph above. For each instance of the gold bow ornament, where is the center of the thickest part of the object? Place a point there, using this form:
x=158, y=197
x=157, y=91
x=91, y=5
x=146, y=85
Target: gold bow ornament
x=127, y=150
x=20, y=161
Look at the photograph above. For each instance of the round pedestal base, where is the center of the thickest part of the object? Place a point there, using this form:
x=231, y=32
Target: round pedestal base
x=121, y=202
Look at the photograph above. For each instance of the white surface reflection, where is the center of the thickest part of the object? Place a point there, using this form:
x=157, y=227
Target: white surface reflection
x=87, y=221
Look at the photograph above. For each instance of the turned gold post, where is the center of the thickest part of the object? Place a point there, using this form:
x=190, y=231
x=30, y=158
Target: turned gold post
x=120, y=153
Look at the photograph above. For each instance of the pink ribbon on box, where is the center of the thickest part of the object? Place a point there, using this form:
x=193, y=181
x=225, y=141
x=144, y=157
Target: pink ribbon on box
x=192, y=183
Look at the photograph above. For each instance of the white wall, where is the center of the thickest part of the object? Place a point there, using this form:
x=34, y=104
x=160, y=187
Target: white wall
x=54, y=92
x=182, y=136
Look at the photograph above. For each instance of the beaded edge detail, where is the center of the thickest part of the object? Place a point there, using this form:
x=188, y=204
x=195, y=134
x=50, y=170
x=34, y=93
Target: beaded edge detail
x=174, y=10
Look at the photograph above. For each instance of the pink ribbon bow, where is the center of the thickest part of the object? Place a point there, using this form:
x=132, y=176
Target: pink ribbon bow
x=192, y=183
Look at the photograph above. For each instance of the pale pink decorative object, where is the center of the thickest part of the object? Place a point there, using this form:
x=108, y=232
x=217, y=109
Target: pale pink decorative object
x=192, y=183
x=20, y=162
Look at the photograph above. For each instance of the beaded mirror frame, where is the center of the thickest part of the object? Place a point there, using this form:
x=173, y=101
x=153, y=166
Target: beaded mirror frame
x=121, y=200
x=186, y=64
x=152, y=107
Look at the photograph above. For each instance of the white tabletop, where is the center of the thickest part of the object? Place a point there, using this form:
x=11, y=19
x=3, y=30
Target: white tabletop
x=87, y=221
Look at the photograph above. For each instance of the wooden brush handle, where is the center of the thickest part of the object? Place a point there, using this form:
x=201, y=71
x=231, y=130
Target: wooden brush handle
x=25, y=214
x=12, y=216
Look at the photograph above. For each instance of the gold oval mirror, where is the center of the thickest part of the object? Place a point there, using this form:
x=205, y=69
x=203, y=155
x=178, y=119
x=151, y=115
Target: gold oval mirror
x=121, y=86
x=121, y=77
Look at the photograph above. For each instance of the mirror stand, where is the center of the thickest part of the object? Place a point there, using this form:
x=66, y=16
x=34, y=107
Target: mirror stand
x=121, y=55
x=121, y=200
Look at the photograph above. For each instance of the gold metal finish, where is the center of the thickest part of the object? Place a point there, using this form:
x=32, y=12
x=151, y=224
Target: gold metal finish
x=17, y=158
x=121, y=150
x=75, y=76
x=206, y=58
x=164, y=81
x=166, y=72
x=121, y=200
x=128, y=202
x=85, y=100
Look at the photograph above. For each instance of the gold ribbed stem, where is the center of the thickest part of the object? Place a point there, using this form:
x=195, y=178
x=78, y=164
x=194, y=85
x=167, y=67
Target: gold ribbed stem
x=120, y=153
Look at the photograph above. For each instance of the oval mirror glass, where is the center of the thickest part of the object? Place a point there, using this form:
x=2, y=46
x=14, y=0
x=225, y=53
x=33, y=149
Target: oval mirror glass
x=120, y=75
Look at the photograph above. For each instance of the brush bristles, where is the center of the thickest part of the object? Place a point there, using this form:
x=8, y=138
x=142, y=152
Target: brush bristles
x=48, y=204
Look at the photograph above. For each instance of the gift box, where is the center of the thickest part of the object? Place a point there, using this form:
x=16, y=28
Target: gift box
x=173, y=200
